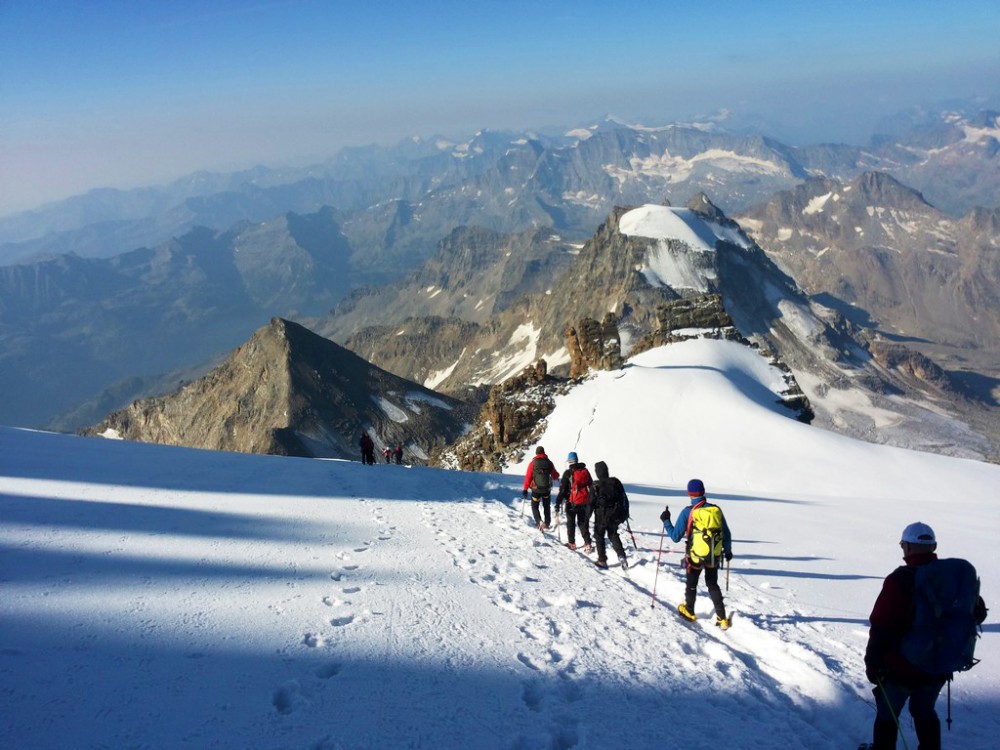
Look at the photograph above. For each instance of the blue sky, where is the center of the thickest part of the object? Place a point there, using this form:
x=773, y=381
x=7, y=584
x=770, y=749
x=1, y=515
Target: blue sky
x=124, y=93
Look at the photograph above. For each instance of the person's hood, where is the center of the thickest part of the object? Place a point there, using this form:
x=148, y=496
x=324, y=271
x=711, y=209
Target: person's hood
x=602, y=470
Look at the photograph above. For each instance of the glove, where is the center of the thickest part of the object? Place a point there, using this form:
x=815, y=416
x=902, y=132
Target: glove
x=524, y=494
x=558, y=508
x=729, y=556
x=665, y=515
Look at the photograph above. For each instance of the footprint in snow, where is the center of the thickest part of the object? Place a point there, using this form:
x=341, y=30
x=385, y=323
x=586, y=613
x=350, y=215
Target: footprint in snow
x=288, y=698
x=532, y=695
x=571, y=691
x=339, y=575
x=327, y=671
x=526, y=661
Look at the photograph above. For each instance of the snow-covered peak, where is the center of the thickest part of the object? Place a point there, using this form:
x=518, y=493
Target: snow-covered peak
x=669, y=265
x=666, y=222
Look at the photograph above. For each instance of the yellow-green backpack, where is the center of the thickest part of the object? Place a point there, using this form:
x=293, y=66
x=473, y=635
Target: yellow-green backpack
x=704, y=534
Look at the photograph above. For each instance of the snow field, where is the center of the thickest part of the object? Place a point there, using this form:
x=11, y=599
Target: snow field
x=161, y=598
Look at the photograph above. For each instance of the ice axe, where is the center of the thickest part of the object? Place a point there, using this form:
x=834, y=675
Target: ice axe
x=631, y=535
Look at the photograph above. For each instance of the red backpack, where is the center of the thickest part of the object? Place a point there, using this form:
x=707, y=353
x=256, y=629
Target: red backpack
x=579, y=493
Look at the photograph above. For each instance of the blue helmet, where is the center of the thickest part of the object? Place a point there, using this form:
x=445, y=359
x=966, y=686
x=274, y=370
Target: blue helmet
x=572, y=457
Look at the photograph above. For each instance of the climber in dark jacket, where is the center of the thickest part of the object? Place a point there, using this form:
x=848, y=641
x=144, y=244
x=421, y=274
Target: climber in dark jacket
x=538, y=478
x=608, y=499
x=896, y=680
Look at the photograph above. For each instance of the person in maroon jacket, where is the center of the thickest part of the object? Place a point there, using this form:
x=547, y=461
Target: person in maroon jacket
x=896, y=680
x=539, y=478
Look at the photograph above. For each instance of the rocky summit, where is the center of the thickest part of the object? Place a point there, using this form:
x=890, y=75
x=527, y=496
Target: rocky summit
x=288, y=391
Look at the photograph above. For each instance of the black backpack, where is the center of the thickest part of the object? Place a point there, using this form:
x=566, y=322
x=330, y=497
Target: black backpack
x=541, y=475
x=613, y=499
x=942, y=637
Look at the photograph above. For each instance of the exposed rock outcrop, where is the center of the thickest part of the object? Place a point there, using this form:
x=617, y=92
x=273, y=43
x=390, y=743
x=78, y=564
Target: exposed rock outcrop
x=694, y=317
x=908, y=363
x=594, y=346
x=513, y=416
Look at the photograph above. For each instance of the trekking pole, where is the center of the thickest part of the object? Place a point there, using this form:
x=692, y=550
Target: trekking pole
x=656, y=575
x=949, y=705
x=631, y=535
x=523, y=498
x=729, y=566
x=558, y=530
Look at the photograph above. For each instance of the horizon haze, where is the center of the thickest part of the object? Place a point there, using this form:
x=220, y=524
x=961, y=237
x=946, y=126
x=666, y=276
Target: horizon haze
x=115, y=94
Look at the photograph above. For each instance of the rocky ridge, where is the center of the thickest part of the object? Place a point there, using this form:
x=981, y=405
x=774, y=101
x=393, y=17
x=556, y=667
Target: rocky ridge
x=512, y=417
x=876, y=246
x=288, y=391
x=904, y=274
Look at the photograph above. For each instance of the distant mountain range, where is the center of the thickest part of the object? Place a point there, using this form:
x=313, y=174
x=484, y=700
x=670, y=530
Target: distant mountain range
x=456, y=265
x=70, y=327
x=396, y=203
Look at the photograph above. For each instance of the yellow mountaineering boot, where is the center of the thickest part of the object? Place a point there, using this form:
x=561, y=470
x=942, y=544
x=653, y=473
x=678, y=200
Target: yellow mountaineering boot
x=722, y=622
x=686, y=613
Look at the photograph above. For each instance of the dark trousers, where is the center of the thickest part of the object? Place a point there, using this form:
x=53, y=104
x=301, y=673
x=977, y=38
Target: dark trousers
x=711, y=583
x=602, y=527
x=546, y=502
x=578, y=515
x=890, y=698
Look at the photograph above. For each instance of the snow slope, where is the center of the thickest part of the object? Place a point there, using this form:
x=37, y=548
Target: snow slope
x=159, y=597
